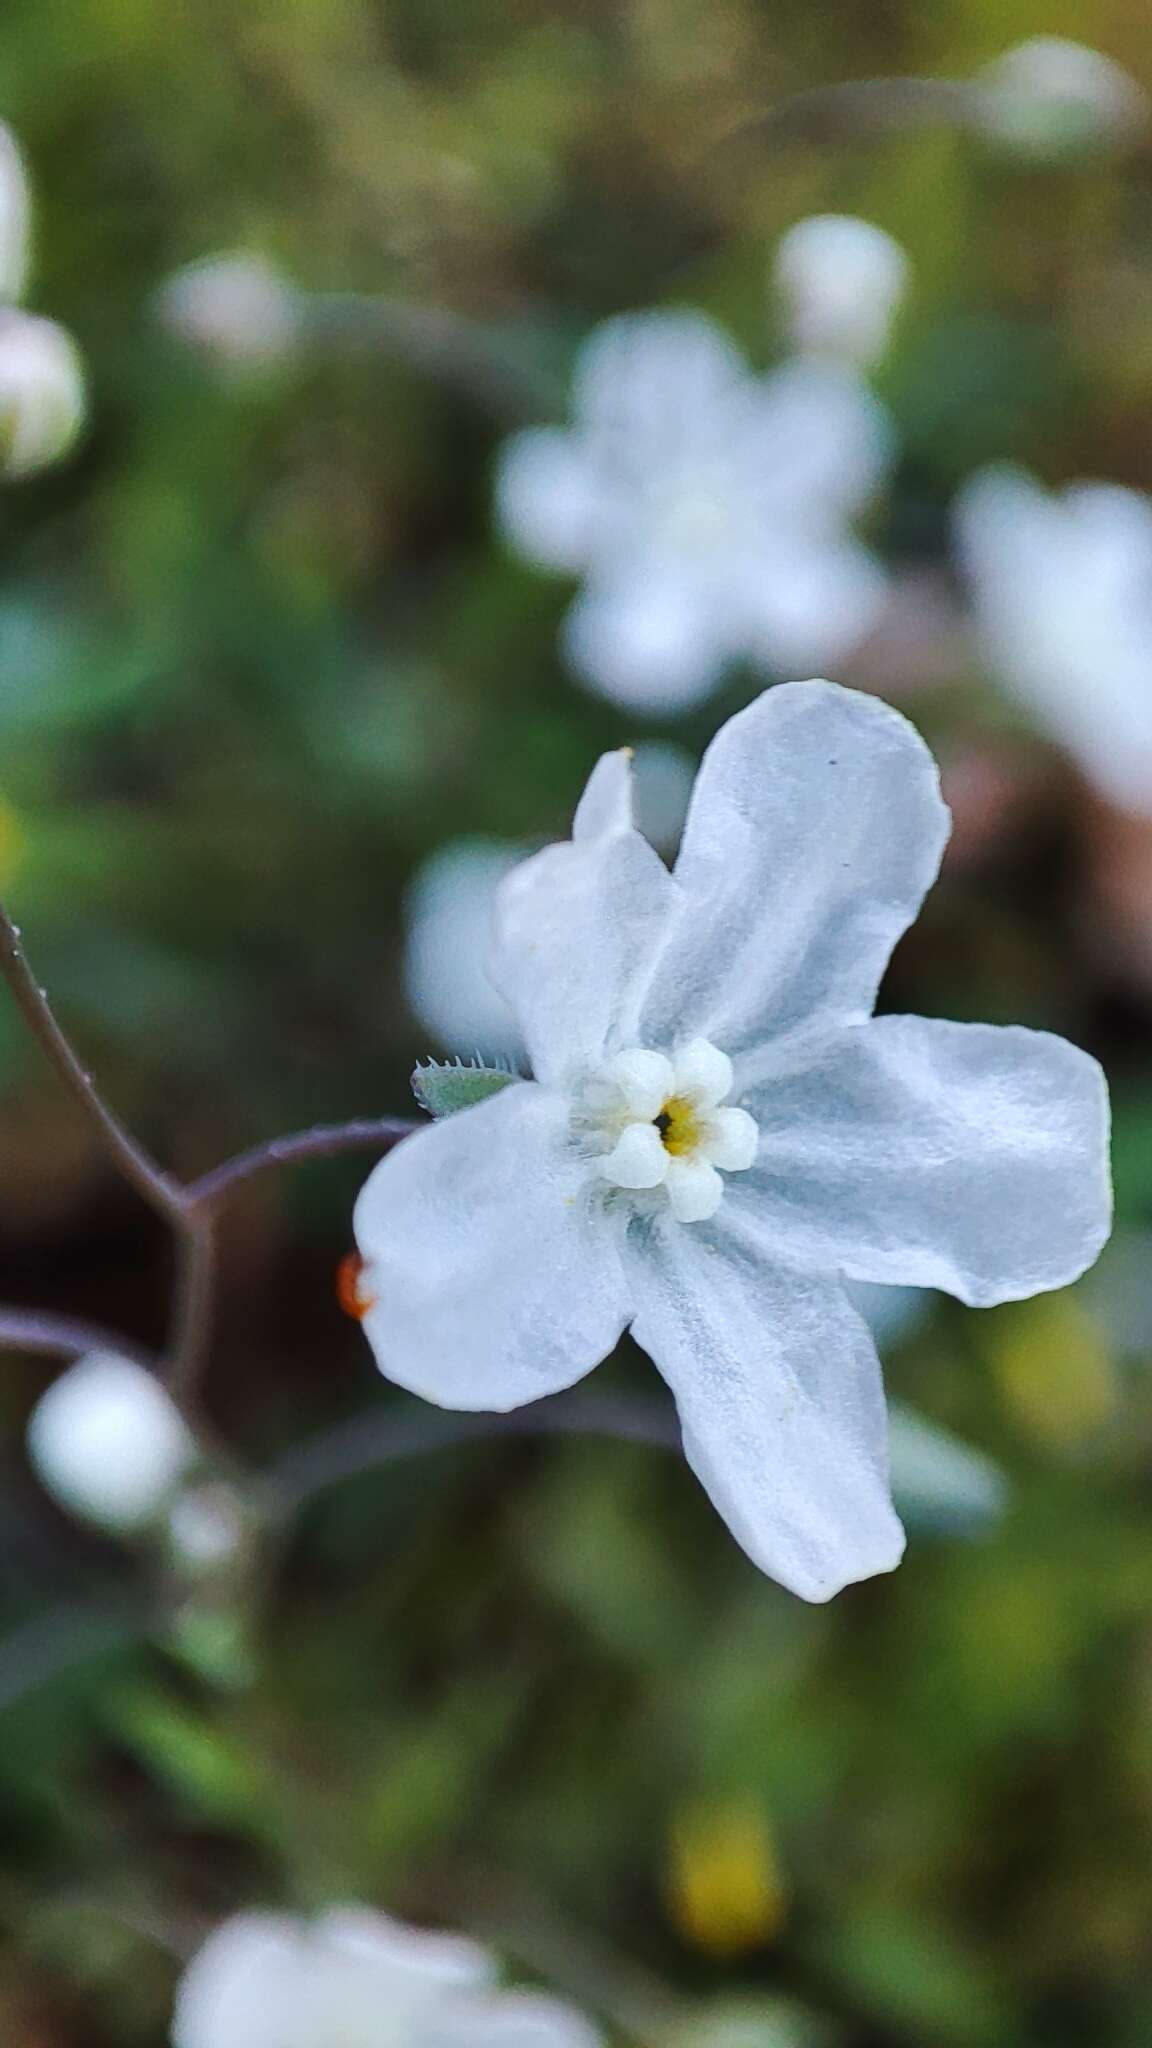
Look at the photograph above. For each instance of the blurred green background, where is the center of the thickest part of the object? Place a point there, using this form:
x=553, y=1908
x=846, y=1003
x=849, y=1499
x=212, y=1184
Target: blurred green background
x=261, y=654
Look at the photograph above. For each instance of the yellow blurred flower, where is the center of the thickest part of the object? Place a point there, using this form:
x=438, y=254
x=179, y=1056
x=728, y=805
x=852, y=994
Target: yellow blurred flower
x=1053, y=1368
x=726, y=1889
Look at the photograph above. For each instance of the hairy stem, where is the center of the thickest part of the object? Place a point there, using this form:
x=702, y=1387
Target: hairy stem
x=160, y=1191
x=51, y=1336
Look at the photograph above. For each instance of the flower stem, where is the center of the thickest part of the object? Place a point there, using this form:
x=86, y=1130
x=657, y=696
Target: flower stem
x=322, y=1141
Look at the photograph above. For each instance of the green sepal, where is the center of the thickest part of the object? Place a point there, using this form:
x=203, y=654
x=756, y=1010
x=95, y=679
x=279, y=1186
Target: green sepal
x=443, y=1090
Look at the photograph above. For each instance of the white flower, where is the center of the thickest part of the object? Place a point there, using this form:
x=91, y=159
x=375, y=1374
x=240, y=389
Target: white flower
x=506, y=1248
x=41, y=393
x=706, y=510
x=449, y=911
x=356, y=1979
x=15, y=209
x=236, y=308
x=841, y=281
x=108, y=1443
x=1062, y=586
x=1049, y=95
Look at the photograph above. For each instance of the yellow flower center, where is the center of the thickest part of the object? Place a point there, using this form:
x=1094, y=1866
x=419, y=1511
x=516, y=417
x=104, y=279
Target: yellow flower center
x=679, y=1126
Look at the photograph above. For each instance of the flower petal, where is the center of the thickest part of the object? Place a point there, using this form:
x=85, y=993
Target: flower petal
x=809, y=600
x=649, y=382
x=781, y=1403
x=241, y=1984
x=491, y=1266
x=815, y=828
x=732, y=1139
x=970, y=1157
x=577, y=932
x=509, y=2019
x=647, y=638
x=548, y=497
x=819, y=440
x=606, y=805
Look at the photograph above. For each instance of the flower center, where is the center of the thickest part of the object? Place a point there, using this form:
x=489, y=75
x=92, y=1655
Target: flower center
x=659, y=1126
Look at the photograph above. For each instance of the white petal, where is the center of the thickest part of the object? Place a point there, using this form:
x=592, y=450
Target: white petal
x=842, y=280
x=811, y=601
x=407, y=1960
x=695, y=1190
x=509, y=2019
x=815, y=828
x=606, y=805
x=646, y=640
x=493, y=1268
x=240, y=1985
x=577, y=932
x=781, y=1404
x=645, y=1079
x=970, y=1157
x=649, y=379
x=819, y=440
x=637, y=1160
x=450, y=906
x=703, y=1073
x=732, y=1140
x=547, y=498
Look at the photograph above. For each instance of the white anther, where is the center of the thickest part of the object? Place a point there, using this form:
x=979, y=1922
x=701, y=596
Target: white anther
x=645, y=1080
x=695, y=1190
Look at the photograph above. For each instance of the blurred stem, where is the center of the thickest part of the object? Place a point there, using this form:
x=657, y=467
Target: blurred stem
x=855, y=108
x=160, y=1192
x=367, y=1443
x=323, y=1141
x=52, y=1336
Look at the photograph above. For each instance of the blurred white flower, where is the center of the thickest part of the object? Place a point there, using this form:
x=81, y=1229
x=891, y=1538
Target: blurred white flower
x=356, y=1979
x=719, y=1133
x=1048, y=96
x=15, y=212
x=42, y=393
x=841, y=281
x=449, y=911
x=237, y=309
x=1062, y=588
x=108, y=1443
x=706, y=509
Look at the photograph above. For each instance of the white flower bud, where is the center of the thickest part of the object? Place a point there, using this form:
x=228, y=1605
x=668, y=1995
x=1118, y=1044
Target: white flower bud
x=1048, y=97
x=841, y=281
x=237, y=309
x=15, y=208
x=108, y=1444
x=41, y=393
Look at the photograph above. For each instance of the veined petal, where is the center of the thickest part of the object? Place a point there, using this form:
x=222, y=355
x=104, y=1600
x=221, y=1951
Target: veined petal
x=815, y=828
x=492, y=1269
x=781, y=1403
x=577, y=932
x=969, y=1157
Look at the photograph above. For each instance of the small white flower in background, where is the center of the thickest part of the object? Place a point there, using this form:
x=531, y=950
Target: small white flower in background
x=1062, y=588
x=448, y=914
x=719, y=1133
x=237, y=309
x=1049, y=96
x=41, y=393
x=841, y=281
x=451, y=902
x=707, y=510
x=108, y=1444
x=356, y=1979
x=15, y=216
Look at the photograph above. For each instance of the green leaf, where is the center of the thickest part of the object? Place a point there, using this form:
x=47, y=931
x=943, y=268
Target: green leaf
x=442, y=1090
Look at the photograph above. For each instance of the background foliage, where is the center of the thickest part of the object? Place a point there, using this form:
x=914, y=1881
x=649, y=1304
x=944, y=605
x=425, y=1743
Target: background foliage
x=260, y=654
